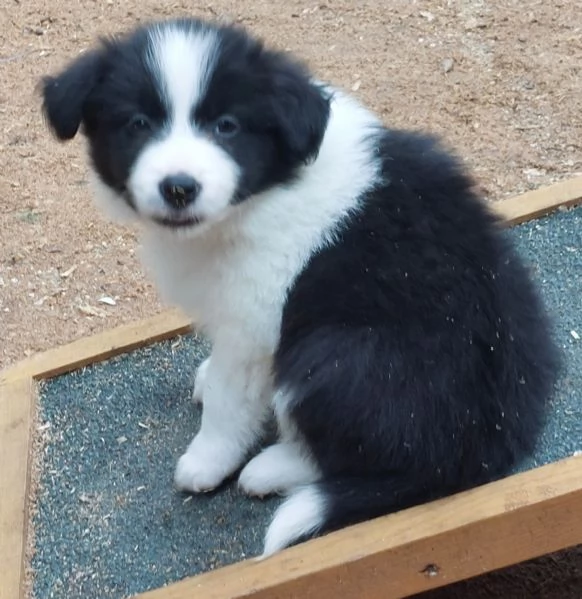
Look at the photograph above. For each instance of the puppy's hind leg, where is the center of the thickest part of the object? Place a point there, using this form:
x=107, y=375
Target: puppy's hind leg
x=284, y=466
x=278, y=469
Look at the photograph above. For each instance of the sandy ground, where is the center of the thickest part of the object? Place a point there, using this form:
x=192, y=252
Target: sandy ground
x=502, y=84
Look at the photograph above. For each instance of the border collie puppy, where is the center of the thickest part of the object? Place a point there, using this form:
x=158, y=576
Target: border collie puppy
x=349, y=278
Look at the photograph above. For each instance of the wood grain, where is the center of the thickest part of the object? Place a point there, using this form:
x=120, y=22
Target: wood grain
x=99, y=347
x=540, y=202
x=16, y=405
x=503, y=523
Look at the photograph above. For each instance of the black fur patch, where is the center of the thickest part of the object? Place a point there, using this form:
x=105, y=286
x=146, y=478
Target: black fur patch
x=415, y=349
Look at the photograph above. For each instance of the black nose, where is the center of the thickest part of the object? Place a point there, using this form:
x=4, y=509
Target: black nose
x=179, y=190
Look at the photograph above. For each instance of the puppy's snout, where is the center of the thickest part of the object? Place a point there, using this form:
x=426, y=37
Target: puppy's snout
x=179, y=190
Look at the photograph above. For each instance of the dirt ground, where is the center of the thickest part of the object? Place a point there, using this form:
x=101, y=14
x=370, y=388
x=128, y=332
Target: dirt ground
x=501, y=81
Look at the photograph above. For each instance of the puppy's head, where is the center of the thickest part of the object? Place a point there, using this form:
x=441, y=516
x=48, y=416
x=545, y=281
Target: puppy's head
x=185, y=119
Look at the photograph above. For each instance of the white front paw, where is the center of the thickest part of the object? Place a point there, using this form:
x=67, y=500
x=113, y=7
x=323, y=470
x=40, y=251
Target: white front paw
x=204, y=466
x=200, y=381
x=194, y=475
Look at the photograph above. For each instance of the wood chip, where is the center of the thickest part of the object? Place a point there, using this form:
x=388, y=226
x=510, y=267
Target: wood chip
x=91, y=311
x=107, y=300
x=69, y=271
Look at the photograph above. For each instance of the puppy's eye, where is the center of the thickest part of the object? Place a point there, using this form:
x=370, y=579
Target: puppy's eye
x=226, y=126
x=139, y=123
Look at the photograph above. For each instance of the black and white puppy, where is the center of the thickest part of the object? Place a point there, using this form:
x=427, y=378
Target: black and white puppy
x=348, y=277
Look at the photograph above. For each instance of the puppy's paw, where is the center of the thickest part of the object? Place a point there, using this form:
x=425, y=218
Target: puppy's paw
x=200, y=381
x=277, y=470
x=256, y=481
x=192, y=474
x=204, y=466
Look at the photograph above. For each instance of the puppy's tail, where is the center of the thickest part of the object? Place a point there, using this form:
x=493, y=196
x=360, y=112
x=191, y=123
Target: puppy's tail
x=333, y=504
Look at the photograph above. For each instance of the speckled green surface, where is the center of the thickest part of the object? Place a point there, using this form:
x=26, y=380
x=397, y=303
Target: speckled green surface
x=553, y=248
x=108, y=522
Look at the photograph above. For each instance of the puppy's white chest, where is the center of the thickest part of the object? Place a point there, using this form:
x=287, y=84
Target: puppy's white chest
x=233, y=289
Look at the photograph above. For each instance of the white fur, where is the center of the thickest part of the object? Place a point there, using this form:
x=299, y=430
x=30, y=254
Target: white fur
x=302, y=514
x=181, y=61
x=279, y=468
x=287, y=429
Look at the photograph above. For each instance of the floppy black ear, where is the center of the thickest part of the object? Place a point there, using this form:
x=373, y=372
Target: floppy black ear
x=300, y=109
x=64, y=96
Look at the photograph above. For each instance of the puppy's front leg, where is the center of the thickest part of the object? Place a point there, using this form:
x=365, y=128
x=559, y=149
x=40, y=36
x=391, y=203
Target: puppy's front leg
x=235, y=403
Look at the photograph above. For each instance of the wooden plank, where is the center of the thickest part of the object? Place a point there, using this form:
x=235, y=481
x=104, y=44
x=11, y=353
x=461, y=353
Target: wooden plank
x=99, y=347
x=540, y=202
x=16, y=410
x=500, y=524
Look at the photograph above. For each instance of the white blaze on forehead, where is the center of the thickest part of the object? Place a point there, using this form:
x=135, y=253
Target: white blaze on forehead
x=182, y=60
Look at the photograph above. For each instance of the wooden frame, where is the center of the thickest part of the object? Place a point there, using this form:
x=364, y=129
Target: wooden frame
x=428, y=546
